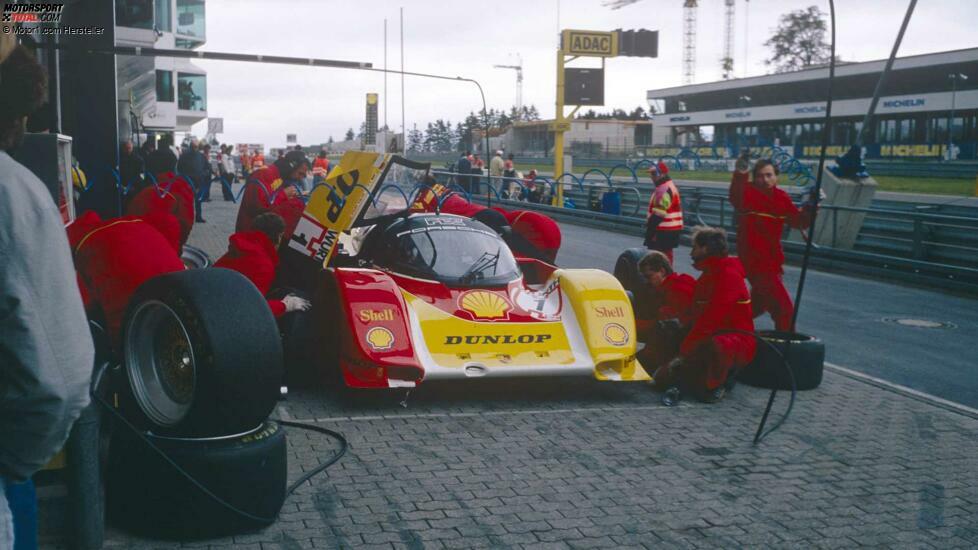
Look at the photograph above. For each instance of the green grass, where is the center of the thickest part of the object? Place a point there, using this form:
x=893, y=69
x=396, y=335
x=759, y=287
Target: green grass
x=904, y=184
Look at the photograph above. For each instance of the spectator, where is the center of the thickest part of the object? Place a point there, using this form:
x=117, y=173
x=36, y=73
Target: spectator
x=496, y=165
x=46, y=351
x=478, y=167
x=245, y=165
x=721, y=303
x=509, y=172
x=212, y=167
x=763, y=209
x=226, y=164
x=463, y=167
x=254, y=254
x=162, y=159
x=672, y=295
x=320, y=168
x=193, y=165
x=665, y=217
x=131, y=169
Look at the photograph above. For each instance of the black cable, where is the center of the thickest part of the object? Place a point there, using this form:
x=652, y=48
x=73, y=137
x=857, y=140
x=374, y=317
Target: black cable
x=817, y=192
x=96, y=383
x=339, y=454
x=791, y=375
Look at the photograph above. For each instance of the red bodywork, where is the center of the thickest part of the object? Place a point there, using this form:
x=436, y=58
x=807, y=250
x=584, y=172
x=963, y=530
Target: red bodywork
x=371, y=299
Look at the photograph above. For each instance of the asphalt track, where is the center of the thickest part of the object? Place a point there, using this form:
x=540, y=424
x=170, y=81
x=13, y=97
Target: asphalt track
x=853, y=316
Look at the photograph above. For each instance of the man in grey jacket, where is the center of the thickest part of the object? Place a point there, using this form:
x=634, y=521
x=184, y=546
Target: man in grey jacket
x=46, y=350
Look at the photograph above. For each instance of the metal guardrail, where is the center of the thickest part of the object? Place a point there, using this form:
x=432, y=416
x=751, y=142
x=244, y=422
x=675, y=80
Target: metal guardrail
x=910, y=245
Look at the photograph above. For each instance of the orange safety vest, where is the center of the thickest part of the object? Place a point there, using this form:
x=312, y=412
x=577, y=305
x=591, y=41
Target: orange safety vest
x=666, y=204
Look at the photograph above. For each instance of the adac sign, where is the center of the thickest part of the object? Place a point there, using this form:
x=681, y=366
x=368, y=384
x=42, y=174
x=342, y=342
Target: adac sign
x=593, y=43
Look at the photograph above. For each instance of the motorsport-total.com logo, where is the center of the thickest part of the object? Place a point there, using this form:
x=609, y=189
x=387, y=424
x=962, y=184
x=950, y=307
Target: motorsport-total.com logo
x=31, y=12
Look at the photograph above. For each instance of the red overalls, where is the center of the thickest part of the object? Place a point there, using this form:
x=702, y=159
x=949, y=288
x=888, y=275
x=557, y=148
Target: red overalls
x=762, y=215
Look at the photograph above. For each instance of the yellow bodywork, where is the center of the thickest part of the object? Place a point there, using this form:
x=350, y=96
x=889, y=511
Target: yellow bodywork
x=607, y=322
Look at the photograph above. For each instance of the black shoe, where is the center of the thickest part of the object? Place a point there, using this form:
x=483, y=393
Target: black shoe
x=672, y=397
x=716, y=395
x=200, y=220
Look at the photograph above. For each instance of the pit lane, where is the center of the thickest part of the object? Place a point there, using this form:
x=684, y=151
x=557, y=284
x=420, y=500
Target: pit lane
x=574, y=463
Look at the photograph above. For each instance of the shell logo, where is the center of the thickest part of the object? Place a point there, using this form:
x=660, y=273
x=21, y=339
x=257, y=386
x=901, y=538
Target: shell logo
x=484, y=305
x=615, y=334
x=380, y=339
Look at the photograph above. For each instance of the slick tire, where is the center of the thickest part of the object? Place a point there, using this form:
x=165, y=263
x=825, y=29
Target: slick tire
x=201, y=355
x=627, y=273
x=148, y=496
x=805, y=355
x=299, y=345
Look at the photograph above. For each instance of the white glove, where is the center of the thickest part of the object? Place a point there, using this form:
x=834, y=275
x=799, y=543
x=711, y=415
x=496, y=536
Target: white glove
x=295, y=303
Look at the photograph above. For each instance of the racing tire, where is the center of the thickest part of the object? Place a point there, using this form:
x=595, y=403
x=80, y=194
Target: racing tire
x=627, y=273
x=299, y=344
x=805, y=355
x=201, y=355
x=147, y=495
x=626, y=268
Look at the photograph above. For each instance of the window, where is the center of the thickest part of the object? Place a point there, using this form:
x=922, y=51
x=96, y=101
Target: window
x=164, y=16
x=192, y=90
x=164, y=86
x=888, y=131
x=137, y=14
x=190, y=18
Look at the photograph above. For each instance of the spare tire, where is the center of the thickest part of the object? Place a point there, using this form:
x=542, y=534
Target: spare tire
x=201, y=353
x=147, y=495
x=804, y=354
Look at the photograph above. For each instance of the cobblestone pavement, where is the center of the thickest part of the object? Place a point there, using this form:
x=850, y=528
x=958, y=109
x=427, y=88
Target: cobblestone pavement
x=561, y=463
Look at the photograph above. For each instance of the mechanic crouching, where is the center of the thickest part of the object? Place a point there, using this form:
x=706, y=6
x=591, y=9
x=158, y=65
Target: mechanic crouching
x=254, y=254
x=672, y=296
x=721, y=337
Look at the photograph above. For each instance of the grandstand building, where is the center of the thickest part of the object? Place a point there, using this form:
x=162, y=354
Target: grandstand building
x=787, y=109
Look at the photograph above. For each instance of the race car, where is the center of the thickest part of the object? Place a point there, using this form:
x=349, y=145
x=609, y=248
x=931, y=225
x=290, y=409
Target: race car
x=411, y=296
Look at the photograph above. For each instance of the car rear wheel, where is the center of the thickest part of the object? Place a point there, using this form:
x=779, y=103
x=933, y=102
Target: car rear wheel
x=627, y=273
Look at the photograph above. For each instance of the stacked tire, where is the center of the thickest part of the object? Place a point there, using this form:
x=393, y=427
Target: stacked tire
x=628, y=274
x=202, y=367
x=787, y=360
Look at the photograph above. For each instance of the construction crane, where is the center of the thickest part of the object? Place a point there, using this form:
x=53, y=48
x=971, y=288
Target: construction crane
x=519, y=80
x=728, y=39
x=689, y=41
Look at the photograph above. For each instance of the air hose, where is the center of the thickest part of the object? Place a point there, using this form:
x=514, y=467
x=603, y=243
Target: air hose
x=826, y=132
x=96, y=384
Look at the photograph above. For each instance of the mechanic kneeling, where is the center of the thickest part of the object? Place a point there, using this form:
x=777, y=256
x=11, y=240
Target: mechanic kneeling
x=721, y=303
x=673, y=296
x=254, y=254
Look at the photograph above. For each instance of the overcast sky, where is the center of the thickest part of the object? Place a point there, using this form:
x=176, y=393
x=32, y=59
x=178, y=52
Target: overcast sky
x=262, y=103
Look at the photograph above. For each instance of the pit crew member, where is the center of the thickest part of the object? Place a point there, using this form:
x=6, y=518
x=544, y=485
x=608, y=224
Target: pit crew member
x=763, y=210
x=721, y=302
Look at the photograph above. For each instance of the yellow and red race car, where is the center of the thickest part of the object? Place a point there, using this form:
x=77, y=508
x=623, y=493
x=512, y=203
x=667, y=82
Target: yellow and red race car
x=409, y=296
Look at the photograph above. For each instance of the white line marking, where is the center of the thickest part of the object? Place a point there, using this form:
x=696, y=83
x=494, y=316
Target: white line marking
x=283, y=413
x=964, y=409
x=526, y=412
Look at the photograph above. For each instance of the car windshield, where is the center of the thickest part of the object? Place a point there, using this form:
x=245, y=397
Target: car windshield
x=456, y=255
